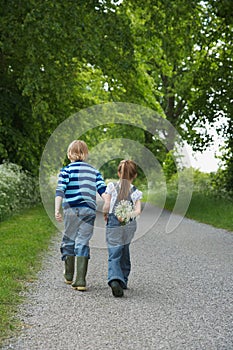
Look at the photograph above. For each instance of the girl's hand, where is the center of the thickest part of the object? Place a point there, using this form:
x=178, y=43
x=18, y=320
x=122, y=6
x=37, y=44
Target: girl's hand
x=58, y=216
x=120, y=219
x=106, y=217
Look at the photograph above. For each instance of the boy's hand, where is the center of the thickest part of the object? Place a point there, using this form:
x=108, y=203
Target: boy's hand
x=58, y=202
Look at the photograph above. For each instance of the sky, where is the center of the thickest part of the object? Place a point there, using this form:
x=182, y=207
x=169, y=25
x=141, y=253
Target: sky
x=206, y=161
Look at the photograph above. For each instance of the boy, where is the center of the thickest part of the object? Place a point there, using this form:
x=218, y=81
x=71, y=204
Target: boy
x=76, y=191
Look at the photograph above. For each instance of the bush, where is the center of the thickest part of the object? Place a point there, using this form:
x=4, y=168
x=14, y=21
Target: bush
x=204, y=183
x=221, y=186
x=18, y=190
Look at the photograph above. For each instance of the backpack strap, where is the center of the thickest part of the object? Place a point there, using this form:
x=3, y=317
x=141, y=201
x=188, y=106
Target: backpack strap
x=132, y=189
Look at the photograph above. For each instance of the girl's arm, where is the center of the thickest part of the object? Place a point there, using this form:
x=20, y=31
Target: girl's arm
x=106, y=206
x=137, y=208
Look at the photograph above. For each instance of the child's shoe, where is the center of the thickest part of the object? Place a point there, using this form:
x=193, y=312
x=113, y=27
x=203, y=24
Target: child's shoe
x=117, y=290
x=69, y=269
x=81, y=271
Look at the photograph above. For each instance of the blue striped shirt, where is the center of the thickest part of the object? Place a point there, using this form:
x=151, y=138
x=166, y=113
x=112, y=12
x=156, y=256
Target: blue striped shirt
x=78, y=183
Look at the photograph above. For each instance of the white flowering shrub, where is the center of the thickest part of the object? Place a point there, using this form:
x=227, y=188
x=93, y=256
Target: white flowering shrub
x=18, y=190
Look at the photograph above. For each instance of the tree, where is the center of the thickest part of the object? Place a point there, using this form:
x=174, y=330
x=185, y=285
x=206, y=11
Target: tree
x=53, y=57
x=59, y=57
x=170, y=52
x=223, y=85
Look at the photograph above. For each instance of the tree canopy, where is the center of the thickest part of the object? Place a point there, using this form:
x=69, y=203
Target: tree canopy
x=57, y=58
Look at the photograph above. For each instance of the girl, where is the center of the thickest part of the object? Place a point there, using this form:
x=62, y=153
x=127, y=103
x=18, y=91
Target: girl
x=122, y=205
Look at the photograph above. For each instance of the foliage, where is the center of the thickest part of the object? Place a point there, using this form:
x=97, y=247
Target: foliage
x=54, y=59
x=169, y=165
x=202, y=182
x=207, y=184
x=59, y=57
x=225, y=174
x=23, y=239
x=18, y=190
x=222, y=182
x=178, y=55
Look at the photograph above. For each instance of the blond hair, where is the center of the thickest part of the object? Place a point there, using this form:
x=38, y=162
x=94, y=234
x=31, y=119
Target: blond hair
x=127, y=170
x=77, y=150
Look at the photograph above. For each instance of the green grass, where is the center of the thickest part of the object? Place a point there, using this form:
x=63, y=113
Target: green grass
x=204, y=208
x=23, y=238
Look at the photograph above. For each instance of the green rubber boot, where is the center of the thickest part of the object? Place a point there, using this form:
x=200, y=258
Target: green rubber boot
x=69, y=269
x=81, y=271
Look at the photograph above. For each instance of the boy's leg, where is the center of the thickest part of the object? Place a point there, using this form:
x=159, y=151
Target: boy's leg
x=71, y=223
x=67, y=247
x=85, y=230
x=82, y=250
x=69, y=269
x=81, y=271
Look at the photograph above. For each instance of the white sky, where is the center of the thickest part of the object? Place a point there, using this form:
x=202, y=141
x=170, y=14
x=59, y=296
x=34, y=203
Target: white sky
x=204, y=161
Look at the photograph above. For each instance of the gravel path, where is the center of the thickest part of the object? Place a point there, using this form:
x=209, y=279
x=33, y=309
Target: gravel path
x=180, y=297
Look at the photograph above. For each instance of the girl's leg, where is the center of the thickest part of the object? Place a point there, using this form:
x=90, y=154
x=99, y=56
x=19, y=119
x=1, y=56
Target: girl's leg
x=129, y=231
x=114, y=237
x=125, y=263
x=114, y=265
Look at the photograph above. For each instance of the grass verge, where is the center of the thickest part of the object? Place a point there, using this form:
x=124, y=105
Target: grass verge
x=23, y=238
x=207, y=209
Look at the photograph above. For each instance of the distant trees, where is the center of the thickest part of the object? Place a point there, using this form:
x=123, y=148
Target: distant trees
x=59, y=57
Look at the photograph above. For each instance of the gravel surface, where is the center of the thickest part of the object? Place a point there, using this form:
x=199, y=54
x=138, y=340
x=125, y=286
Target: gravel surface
x=180, y=296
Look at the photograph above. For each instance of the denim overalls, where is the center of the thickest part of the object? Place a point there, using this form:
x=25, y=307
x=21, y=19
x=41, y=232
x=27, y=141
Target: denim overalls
x=118, y=240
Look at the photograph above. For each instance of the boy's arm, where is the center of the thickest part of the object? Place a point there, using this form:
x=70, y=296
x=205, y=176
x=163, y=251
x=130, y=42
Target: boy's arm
x=63, y=181
x=58, y=202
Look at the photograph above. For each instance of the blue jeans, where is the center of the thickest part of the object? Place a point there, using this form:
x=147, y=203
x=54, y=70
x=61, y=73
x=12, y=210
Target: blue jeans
x=118, y=240
x=79, y=226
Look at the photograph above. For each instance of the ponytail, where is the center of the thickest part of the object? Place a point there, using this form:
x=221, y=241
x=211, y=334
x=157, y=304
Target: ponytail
x=128, y=171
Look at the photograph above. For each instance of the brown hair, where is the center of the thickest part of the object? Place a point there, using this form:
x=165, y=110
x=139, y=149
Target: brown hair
x=77, y=150
x=127, y=170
